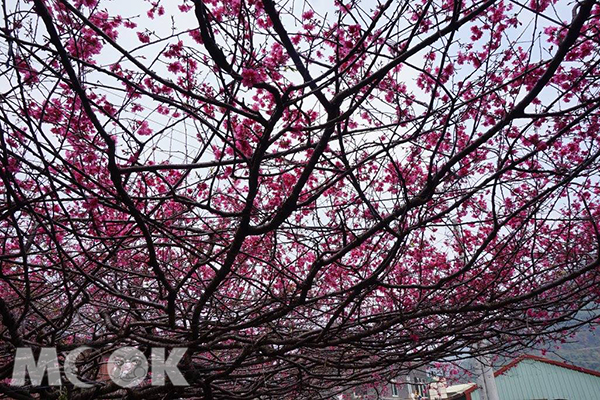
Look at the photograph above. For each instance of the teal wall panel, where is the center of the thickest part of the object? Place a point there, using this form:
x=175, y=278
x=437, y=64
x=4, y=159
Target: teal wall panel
x=536, y=380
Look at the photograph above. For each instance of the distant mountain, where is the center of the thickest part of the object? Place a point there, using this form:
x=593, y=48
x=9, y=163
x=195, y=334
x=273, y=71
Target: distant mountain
x=583, y=350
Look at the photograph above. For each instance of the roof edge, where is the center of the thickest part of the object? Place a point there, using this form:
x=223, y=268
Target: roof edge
x=547, y=361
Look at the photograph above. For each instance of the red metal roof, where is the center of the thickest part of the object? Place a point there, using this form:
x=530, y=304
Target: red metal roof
x=547, y=361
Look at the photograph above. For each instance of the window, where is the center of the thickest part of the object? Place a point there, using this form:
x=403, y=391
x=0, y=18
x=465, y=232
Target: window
x=421, y=387
x=395, y=392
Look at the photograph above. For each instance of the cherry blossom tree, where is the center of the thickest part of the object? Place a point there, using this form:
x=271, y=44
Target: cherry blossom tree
x=308, y=195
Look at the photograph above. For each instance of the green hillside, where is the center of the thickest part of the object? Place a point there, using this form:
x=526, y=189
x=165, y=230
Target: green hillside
x=583, y=350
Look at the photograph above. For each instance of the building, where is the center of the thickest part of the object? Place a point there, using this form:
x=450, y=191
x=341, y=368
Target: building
x=418, y=384
x=537, y=378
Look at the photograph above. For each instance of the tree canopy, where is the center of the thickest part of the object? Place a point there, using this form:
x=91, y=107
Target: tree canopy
x=308, y=195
